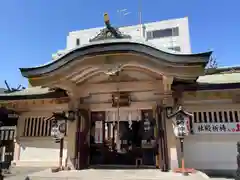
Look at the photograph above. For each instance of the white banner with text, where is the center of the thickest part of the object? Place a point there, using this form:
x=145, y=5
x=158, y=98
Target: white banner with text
x=213, y=128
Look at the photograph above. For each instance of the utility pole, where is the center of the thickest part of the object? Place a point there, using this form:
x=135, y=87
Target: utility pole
x=118, y=111
x=140, y=15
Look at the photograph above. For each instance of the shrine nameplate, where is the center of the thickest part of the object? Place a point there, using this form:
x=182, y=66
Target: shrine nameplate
x=120, y=99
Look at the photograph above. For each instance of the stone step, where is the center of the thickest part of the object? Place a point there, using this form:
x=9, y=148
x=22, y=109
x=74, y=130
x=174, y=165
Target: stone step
x=119, y=174
x=35, y=163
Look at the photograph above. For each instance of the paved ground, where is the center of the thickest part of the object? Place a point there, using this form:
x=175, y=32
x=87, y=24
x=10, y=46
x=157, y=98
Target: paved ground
x=20, y=173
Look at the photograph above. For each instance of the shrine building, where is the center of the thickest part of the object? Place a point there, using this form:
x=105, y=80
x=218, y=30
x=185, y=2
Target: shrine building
x=119, y=91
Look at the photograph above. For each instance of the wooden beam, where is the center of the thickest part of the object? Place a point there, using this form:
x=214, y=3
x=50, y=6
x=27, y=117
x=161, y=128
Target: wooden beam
x=88, y=89
x=108, y=106
x=64, y=84
x=134, y=96
x=26, y=105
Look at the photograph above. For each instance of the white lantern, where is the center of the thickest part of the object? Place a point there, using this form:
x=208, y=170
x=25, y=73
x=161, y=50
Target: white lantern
x=58, y=129
x=180, y=122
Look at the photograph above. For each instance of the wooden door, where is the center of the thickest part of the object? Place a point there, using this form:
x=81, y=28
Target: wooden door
x=162, y=139
x=156, y=134
x=83, y=139
x=97, y=137
x=160, y=154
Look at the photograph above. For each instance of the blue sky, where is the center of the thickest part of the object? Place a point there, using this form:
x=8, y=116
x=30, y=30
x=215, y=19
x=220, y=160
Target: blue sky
x=32, y=30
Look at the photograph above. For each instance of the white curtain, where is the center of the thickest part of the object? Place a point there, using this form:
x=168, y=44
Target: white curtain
x=124, y=115
x=135, y=115
x=98, y=132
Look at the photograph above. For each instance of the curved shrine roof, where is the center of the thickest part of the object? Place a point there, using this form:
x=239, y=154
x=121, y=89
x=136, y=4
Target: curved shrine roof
x=117, y=46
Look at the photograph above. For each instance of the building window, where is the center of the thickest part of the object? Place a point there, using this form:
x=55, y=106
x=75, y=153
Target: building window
x=77, y=41
x=175, y=48
x=195, y=119
x=205, y=116
x=225, y=116
x=220, y=116
x=7, y=132
x=210, y=117
x=215, y=119
x=200, y=117
x=236, y=116
x=231, y=116
x=161, y=33
x=37, y=127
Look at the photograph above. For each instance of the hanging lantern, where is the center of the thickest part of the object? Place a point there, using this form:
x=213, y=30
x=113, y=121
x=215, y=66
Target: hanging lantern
x=58, y=130
x=180, y=122
x=181, y=128
x=146, y=122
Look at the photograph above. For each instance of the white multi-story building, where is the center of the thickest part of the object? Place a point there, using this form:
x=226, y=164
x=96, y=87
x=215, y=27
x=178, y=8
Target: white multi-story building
x=168, y=34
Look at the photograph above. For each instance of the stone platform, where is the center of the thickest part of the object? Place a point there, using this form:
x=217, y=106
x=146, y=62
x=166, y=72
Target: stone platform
x=114, y=174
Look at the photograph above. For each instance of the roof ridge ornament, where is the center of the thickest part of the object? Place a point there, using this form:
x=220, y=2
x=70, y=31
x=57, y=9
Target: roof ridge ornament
x=109, y=32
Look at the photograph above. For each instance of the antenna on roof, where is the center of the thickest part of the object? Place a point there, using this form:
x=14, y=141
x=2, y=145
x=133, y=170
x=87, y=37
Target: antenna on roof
x=122, y=13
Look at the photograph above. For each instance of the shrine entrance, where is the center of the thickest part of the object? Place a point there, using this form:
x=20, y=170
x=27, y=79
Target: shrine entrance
x=129, y=140
x=114, y=63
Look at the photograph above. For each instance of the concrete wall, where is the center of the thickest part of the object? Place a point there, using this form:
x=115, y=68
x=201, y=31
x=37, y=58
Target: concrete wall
x=216, y=151
x=39, y=152
x=213, y=153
